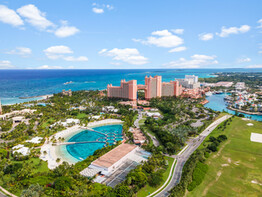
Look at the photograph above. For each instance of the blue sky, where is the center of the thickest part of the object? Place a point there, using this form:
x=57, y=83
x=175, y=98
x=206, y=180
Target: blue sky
x=126, y=34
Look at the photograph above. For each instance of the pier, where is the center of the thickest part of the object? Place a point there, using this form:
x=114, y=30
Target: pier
x=68, y=143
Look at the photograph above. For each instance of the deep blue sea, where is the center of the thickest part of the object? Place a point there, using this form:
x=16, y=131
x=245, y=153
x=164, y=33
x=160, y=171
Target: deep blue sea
x=24, y=83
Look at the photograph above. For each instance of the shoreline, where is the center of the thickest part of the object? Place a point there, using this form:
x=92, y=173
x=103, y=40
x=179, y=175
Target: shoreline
x=245, y=112
x=20, y=100
x=40, y=96
x=60, y=151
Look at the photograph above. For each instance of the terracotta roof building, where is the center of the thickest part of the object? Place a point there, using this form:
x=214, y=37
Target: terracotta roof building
x=114, y=158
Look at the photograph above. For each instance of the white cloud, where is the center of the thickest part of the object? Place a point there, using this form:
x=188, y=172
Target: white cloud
x=162, y=38
x=49, y=67
x=56, y=52
x=127, y=55
x=102, y=51
x=5, y=64
x=9, y=16
x=59, y=52
x=177, y=49
x=98, y=10
x=66, y=31
x=255, y=66
x=76, y=59
x=244, y=59
x=260, y=23
x=196, y=61
x=35, y=17
x=206, y=36
x=162, y=33
x=225, y=32
x=115, y=63
x=178, y=31
x=109, y=7
x=23, y=51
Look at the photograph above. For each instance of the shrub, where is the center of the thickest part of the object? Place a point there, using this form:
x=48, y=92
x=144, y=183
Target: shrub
x=198, y=175
x=212, y=147
x=156, y=178
x=62, y=183
x=206, y=154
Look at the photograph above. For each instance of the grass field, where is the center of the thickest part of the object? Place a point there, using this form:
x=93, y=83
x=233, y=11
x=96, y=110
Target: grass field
x=148, y=189
x=41, y=166
x=237, y=163
x=81, y=115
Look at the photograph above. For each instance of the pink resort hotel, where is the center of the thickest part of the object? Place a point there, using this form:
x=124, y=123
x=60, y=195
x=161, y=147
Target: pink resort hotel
x=154, y=87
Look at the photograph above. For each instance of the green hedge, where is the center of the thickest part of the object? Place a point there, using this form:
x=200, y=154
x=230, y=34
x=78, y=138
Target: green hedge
x=198, y=175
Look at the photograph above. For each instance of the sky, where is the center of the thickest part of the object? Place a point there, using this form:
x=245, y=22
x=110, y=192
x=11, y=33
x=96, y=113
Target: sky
x=130, y=34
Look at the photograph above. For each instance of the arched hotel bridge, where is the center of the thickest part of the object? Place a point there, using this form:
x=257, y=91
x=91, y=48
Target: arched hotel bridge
x=110, y=138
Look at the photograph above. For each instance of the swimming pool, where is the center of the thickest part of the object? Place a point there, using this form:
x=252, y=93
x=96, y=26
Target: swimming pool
x=95, y=140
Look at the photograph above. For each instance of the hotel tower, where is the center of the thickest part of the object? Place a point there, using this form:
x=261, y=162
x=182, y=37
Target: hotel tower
x=154, y=88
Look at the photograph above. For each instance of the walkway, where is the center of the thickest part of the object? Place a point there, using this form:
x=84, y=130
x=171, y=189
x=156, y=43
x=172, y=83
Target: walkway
x=136, y=123
x=67, y=143
x=6, y=192
x=89, y=129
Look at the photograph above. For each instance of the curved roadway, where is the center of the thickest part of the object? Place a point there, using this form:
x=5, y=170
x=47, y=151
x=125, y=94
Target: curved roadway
x=183, y=157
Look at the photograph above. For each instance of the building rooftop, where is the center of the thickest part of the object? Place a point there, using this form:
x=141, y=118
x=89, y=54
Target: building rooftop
x=114, y=155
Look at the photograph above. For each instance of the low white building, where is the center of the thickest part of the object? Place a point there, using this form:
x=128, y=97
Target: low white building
x=96, y=117
x=240, y=85
x=35, y=140
x=21, y=149
x=80, y=108
x=151, y=114
x=109, y=109
x=68, y=122
x=17, y=113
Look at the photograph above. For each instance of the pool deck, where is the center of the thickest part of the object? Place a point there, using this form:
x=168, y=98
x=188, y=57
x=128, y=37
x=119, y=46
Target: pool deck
x=54, y=152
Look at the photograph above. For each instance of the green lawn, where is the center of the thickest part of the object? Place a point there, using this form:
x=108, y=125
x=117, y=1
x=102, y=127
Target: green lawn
x=148, y=189
x=47, y=123
x=40, y=167
x=237, y=163
x=141, y=122
x=81, y=115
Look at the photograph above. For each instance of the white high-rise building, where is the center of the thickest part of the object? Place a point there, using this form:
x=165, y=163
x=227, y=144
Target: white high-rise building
x=191, y=78
x=190, y=81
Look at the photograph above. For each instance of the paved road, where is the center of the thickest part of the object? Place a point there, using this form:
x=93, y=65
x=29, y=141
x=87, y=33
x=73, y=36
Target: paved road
x=136, y=123
x=182, y=158
x=2, y=195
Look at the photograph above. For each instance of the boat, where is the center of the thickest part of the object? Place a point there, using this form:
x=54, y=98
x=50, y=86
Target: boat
x=209, y=94
x=69, y=82
x=219, y=92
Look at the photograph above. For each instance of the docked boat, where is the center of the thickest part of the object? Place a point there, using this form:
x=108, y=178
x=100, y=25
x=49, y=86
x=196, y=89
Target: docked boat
x=209, y=93
x=219, y=92
x=69, y=82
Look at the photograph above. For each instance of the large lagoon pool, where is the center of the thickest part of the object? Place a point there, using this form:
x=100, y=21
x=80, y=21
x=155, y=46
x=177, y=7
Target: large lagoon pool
x=96, y=139
x=216, y=102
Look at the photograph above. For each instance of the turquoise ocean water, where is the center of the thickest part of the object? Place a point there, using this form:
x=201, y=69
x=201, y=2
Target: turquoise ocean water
x=26, y=83
x=216, y=102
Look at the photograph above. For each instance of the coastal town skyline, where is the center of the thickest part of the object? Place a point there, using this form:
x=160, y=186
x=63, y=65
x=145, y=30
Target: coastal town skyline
x=130, y=35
